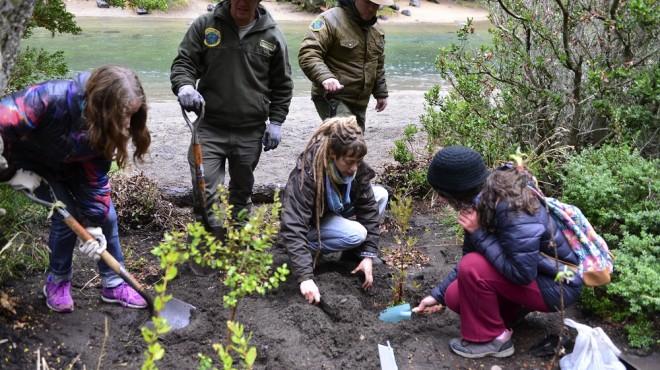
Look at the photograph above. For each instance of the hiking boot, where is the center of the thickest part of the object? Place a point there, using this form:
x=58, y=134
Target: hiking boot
x=58, y=296
x=124, y=295
x=495, y=348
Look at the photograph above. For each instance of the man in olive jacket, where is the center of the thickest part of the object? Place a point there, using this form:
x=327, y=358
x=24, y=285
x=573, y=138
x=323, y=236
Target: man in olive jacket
x=343, y=54
x=239, y=56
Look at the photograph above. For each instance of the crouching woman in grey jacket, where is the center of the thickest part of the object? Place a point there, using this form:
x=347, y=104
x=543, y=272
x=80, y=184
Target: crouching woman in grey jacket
x=329, y=204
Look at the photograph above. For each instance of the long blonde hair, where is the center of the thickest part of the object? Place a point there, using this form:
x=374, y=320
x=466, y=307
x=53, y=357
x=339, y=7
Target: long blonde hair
x=107, y=94
x=338, y=137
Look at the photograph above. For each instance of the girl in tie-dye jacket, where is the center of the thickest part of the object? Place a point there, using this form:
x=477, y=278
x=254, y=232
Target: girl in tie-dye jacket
x=69, y=132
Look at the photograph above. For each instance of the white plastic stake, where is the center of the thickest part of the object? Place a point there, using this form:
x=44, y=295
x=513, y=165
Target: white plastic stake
x=386, y=354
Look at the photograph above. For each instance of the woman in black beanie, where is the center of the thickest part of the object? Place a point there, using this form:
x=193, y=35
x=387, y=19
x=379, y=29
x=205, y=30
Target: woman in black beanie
x=503, y=272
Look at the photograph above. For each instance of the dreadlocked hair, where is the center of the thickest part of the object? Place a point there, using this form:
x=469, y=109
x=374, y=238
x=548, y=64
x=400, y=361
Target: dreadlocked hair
x=338, y=137
x=509, y=184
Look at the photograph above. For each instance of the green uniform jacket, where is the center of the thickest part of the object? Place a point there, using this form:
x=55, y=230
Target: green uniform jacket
x=244, y=82
x=336, y=46
x=298, y=217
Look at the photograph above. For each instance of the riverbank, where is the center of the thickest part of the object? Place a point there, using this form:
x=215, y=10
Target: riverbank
x=446, y=12
x=408, y=80
x=168, y=166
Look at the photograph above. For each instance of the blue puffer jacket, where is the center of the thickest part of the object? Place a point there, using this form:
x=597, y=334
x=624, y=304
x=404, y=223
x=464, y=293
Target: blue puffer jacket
x=44, y=131
x=515, y=251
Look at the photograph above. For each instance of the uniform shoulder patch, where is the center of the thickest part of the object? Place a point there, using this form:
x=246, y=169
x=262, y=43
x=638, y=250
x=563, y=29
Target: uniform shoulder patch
x=317, y=24
x=212, y=37
x=267, y=45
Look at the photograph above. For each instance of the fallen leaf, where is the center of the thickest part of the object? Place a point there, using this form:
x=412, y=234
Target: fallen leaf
x=8, y=303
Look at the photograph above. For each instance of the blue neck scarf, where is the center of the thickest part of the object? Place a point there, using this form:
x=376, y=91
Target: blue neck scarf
x=337, y=190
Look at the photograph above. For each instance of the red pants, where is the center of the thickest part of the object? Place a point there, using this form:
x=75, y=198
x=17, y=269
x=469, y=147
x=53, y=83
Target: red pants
x=486, y=300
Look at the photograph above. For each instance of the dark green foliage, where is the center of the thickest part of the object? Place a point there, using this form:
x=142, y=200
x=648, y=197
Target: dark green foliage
x=313, y=6
x=557, y=76
x=144, y=4
x=36, y=65
x=21, y=250
x=403, y=148
x=53, y=16
x=618, y=191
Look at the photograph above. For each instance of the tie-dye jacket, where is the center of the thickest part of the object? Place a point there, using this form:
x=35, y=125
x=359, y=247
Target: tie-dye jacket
x=43, y=130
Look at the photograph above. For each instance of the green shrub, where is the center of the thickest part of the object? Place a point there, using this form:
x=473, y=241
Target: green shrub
x=21, y=249
x=617, y=189
x=404, y=151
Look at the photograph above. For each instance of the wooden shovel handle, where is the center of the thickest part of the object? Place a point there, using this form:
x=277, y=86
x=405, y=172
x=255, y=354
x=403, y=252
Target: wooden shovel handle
x=199, y=169
x=82, y=233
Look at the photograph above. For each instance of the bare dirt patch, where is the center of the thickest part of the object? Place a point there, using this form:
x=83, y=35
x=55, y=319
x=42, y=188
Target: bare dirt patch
x=288, y=332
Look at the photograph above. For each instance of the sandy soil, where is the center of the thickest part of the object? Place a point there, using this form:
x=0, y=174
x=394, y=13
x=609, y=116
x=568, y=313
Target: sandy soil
x=445, y=12
x=169, y=167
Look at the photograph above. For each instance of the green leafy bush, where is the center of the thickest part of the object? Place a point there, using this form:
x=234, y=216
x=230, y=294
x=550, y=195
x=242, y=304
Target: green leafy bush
x=617, y=189
x=36, y=65
x=240, y=346
x=21, y=250
x=243, y=256
x=557, y=76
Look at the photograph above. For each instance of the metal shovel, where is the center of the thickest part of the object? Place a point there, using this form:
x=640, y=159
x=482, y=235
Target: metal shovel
x=396, y=313
x=176, y=312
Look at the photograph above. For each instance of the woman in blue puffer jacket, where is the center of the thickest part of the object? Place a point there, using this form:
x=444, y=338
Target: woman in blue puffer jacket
x=505, y=270
x=69, y=132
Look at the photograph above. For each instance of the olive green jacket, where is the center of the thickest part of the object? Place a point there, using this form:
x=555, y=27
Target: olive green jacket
x=243, y=81
x=336, y=46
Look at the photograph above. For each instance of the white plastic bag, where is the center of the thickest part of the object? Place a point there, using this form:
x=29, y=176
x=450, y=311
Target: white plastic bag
x=593, y=350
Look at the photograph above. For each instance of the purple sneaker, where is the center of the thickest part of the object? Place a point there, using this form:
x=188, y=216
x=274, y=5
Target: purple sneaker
x=58, y=296
x=124, y=295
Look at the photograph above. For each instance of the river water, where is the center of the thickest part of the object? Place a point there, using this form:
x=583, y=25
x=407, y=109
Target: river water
x=148, y=46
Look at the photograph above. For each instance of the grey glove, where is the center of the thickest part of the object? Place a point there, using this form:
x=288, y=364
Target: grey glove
x=25, y=180
x=93, y=247
x=272, y=136
x=190, y=99
x=3, y=161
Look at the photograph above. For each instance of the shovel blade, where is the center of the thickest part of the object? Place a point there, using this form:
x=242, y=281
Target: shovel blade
x=396, y=313
x=177, y=313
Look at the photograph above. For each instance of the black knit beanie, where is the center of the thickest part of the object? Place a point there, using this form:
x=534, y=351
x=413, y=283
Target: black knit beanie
x=456, y=169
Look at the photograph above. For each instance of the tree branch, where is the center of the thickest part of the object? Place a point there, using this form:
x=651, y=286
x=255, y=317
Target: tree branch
x=564, y=35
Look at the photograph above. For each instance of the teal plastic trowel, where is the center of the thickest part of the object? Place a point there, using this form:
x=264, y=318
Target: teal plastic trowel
x=396, y=313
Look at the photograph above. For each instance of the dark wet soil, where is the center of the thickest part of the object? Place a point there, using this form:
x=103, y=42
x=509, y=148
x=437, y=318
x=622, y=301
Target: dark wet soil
x=288, y=332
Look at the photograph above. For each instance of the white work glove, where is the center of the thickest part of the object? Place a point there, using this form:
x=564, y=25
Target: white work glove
x=25, y=180
x=332, y=85
x=311, y=292
x=93, y=247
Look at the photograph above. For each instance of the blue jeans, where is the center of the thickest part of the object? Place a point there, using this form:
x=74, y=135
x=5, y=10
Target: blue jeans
x=62, y=242
x=339, y=233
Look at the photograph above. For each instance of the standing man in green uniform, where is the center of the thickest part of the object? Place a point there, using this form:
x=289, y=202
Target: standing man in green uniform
x=234, y=62
x=343, y=55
